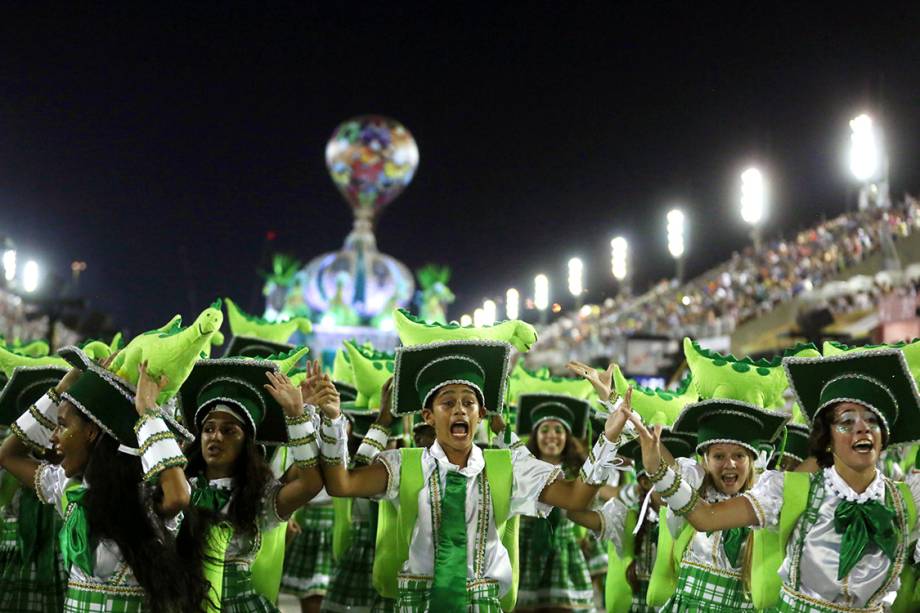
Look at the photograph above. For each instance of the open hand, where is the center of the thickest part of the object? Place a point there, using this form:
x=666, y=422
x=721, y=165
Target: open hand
x=650, y=441
x=385, y=418
x=602, y=381
x=285, y=393
x=148, y=388
x=616, y=420
x=326, y=397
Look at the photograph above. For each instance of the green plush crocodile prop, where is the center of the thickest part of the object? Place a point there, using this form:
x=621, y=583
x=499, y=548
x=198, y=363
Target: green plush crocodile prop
x=910, y=349
x=758, y=382
x=250, y=326
x=414, y=331
x=170, y=350
x=371, y=370
x=217, y=339
x=523, y=381
x=341, y=368
x=286, y=362
x=31, y=349
x=656, y=406
x=10, y=361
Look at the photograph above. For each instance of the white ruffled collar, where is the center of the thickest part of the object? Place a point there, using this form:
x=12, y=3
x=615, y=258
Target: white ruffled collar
x=713, y=495
x=840, y=488
x=475, y=464
x=224, y=483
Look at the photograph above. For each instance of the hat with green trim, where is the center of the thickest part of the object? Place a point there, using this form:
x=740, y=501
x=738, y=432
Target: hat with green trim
x=722, y=420
x=361, y=422
x=108, y=401
x=678, y=444
x=878, y=379
x=534, y=409
x=796, y=441
x=421, y=370
x=251, y=347
x=236, y=386
x=24, y=388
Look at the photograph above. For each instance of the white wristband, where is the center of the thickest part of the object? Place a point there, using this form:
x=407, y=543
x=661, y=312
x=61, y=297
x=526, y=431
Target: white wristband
x=36, y=425
x=158, y=447
x=373, y=443
x=333, y=448
x=665, y=482
x=681, y=497
x=302, y=440
x=601, y=460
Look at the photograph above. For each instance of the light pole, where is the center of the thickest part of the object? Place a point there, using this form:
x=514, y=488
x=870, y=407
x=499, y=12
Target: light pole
x=512, y=304
x=619, y=250
x=541, y=295
x=576, y=280
x=868, y=163
x=753, y=202
x=676, y=240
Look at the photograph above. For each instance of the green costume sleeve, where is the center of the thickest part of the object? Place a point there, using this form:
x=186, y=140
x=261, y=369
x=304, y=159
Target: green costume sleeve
x=663, y=581
x=618, y=592
x=218, y=539
x=394, y=526
x=341, y=527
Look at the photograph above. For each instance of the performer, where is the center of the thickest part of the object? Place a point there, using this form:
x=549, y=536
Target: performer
x=554, y=571
x=234, y=405
x=451, y=502
x=842, y=532
x=32, y=575
x=117, y=541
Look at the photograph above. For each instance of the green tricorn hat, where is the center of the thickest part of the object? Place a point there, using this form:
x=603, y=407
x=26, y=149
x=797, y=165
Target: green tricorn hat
x=24, y=388
x=679, y=444
x=235, y=384
x=251, y=347
x=533, y=409
x=879, y=379
x=108, y=400
x=723, y=420
x=797, y=441
x=420, y=370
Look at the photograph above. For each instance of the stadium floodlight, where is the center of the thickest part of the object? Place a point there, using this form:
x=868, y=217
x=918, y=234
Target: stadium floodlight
x=489, y=312
x=865, y=157
x=541, y=295
x=618, y=251
x=576, y=277
x=30, y=274
x=479, y=317
x=9, y=265
x=753, y=201
x=466, y=320
x=676, y=245
x=512, y=303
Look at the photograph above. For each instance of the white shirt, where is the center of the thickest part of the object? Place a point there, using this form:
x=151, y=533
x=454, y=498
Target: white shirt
x=531, y=476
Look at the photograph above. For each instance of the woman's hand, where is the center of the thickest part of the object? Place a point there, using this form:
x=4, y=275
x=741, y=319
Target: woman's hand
x=326, y=397
x=148, y=388
x=650, y=441
x=284, y=393
x=616, y=420
x=496, y=423
x=601, y=380
x=311, y=380
x=385, y=418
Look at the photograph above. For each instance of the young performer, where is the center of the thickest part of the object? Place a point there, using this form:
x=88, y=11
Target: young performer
x=117, y=538
x=842, y=533
x=554, y=571
x=32, y=576
x=235, y=405
x=451, y=499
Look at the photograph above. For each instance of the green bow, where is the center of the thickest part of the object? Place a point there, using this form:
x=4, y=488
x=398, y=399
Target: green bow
x=732, y=540
x=859, y=524
x=206, y=496
x=74, y=536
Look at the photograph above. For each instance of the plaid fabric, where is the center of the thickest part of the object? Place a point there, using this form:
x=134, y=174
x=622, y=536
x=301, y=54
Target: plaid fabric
x=704, y=591
x=794, y=602
x=238, y=595
x=21, y=589
x=308, y=558
x=481, y=596
x=83, y=599
x=351, y=588
x=553, y=576
x=638, y=600
x=383, y=605
x=596, y=555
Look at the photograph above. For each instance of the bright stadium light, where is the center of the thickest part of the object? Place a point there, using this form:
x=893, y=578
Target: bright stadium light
x=576, y=277
x=479, y=317
x=753, y=201
x=512, y=304
x=466, y=320
x=9, y=264
x=541, y=295
x=489, y=312
x=865, y=157
x=30, y=276
x=618, y=250
x=676, y=246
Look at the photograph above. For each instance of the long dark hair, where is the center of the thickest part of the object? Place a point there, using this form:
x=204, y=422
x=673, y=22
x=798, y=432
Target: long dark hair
x=819, y=441
x=573, y=453
x=120, y=508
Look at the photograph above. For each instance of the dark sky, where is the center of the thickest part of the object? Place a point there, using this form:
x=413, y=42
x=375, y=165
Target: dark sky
x=160, y=145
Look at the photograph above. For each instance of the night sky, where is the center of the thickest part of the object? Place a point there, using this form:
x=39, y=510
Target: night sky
x=161, y=146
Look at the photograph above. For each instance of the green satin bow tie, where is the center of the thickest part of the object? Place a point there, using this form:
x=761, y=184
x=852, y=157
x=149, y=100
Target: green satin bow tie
x=75, y=549
x=449, y=587
x=732, y=540
x=206, y=496
x=861, y=524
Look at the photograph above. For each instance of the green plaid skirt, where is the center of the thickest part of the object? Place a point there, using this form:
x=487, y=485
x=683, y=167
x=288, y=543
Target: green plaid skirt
x=413, y=596
x=704, y=591
x=639, y=605
x=596, y=555
x=23, y=591
x=83, y=598
x=351, y=588
x=553, y=574
x=239, y=596
x=794, y=602
x=308, y=558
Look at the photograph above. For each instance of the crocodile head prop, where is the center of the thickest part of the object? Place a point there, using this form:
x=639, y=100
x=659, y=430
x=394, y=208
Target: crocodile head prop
x=9, y=361
x=910, y=349
x=757, y=382
x=170, y=350
x=244, y=324
x=287, y=362
x=523, y=381
x=371, y=370
x=413, y=331
x=31, y=349
x=656, y=406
